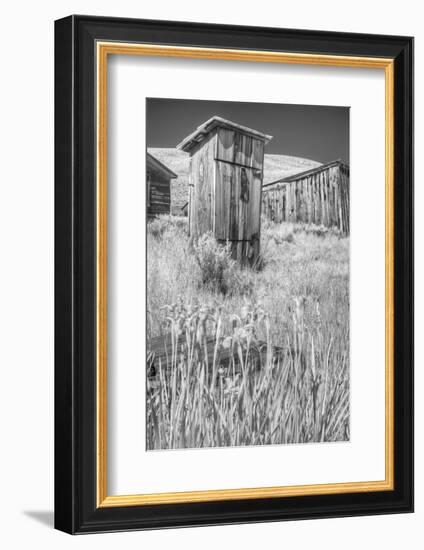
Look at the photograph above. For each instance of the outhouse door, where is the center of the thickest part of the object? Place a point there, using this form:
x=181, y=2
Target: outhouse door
x=238, y=193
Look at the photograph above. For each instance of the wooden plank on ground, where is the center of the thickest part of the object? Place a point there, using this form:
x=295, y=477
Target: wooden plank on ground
x=160, y=354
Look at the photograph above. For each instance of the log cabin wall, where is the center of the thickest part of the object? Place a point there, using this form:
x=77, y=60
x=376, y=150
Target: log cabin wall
x=158, y=187
x=160, y=196
x=319, y=196
x=225, y=185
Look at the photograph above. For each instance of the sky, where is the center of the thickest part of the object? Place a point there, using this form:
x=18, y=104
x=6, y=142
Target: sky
x=318, y=133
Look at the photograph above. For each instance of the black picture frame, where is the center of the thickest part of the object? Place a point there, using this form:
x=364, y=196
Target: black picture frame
x=76, y=509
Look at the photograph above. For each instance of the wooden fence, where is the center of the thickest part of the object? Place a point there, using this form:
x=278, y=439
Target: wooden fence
x=319, y=196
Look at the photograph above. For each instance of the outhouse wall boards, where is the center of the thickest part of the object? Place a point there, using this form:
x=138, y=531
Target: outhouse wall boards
x=225, y=189
x=319, y=196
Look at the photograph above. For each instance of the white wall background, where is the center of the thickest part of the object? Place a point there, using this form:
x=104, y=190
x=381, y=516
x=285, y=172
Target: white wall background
x=26, y=274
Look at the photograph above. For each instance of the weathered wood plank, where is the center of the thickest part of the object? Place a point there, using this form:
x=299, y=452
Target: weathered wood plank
x=226, y=144
x=255, y=219
x=162, y=353
x=257, y=154
x=319, y=198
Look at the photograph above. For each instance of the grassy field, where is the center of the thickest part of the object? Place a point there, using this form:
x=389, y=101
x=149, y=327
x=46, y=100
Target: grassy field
x=284, y=326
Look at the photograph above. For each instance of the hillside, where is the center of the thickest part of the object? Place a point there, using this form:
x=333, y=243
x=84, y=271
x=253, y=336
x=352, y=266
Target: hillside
x=276, y=166
x=280, y=166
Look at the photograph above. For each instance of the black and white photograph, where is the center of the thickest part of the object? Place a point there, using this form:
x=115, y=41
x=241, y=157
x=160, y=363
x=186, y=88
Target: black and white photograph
x=247, y=274
x=208, y=275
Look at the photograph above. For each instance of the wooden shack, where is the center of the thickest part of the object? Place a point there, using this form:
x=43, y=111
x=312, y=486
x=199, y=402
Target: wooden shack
x=158, y=187
x=225, y=185
x=319, y=196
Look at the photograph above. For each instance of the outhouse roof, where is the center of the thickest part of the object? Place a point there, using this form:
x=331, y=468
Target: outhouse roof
x=204, y=129
x=154, y=164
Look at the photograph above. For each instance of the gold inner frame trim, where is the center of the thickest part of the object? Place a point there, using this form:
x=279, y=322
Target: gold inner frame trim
x=104, y=49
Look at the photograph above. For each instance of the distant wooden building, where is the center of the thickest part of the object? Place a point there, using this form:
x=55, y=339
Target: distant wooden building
x=158, y=192
x=319, y=196
x=225, y=186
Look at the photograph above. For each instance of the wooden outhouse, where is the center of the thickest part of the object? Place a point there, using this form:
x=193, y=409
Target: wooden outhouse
x=225, y=185
x=158, y=187
x=319, y=196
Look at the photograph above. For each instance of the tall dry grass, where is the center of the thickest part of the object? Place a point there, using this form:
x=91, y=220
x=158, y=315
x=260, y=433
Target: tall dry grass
x=284, y=331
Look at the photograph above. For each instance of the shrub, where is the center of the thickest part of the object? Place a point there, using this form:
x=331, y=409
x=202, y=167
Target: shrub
x=180, y=222
x=317, y=230
x=216, y=265
x=160, y=224
x=286, y=231
x=279, y=232
x=284, y=238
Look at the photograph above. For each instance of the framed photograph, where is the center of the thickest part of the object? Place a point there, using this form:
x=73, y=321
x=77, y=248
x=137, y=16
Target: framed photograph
x=234, y=274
